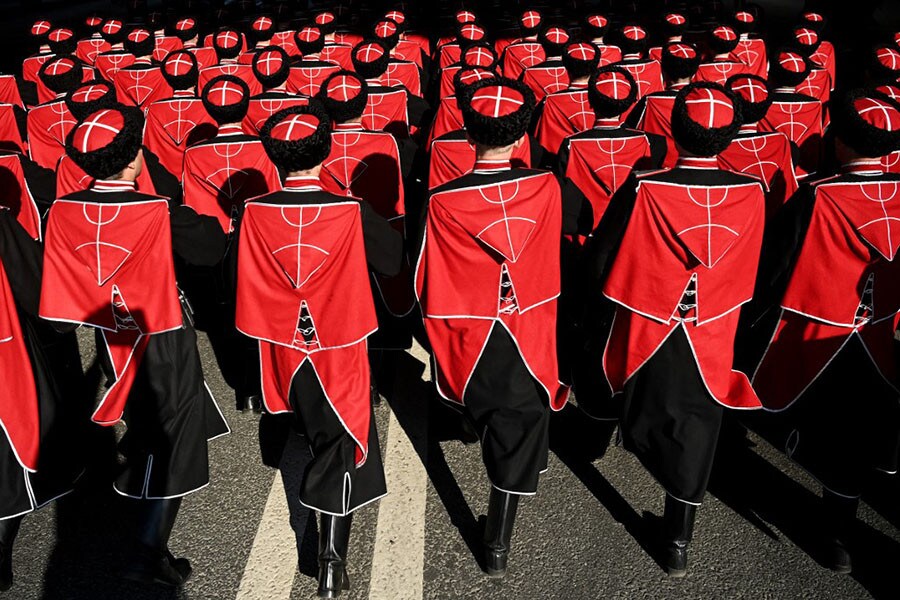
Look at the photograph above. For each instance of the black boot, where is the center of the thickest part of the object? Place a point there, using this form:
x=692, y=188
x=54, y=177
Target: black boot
x=840, y=516
x=152, y=562
x=9, y=529
x=498, y=530
x=677, y=531
x=334, y=540
x=244, y=401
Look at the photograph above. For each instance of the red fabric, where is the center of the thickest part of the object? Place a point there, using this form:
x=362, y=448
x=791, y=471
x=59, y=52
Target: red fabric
x=657, y=118
x=449, y=54
x=221, y=175
x=447, y=118
x=719, y=71
x=409, y=50
x=345, y=37
x=768, y=158
x=709, y=108
x=308, y=80
x=387, y=112
x=108, y=64
x=70, y=178
x=403, y=74
x=825, y=58
x=752, y=52
x=285, y=39
x=452, y=158
x=818, y=85
x=166, y=44
x=174, y=124
x=261, y=109
x=98, y=131
x=471, y=237
x=853, y=236
x=309, y=258
x=10, y=135
x=545, y=80
x=339, y=54
x=801, y=122
x=648, y=75
x=32, y=65
x=19, y=416
x=206, y=57
x=599, y=167
x=48, y=125
x=110, y=266
x=564, y=114
x=17, y=197
x=677, y=232
x=44, y=93
x=242, y=72
x=520, y=56
x=609, y=54
x=891, y=162
x=446, y=87
x=87, y=50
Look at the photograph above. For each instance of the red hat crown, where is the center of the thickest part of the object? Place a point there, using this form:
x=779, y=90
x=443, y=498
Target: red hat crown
x=494, y=101
x=295, y=127
x=343, y=88
x=878, y=113
x=98, y=130
x=41, y=27
x=613, y=85
x=224, y=93
x=709, y=108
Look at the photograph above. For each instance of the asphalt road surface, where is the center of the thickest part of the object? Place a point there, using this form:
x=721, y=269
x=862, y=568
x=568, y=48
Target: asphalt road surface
x=583, y=536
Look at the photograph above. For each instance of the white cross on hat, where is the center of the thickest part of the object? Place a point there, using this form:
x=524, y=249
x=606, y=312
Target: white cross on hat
x=227, y=39
x=262, y=24
x=370, y=53
x=89, y=93
x=702, y=104
x=885, y=116
x=750, y=89
x=98, y=121
x=680, y=50
x=581, y=51
x=228, y=93
x=343, y=88
x=497, y=101
x=175, y=61
x=613, y=85
x=40, y=27
x=790, y=61
x=266, y=59
x=531, y=19
x=295, y=127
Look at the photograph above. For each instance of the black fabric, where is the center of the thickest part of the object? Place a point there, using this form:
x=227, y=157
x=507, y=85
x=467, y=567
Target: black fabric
x=846, y=424
x=331, y=482
x=165, y=183
x=670, y=422
x=62, y=399
x=170, y=416
x=511, y=412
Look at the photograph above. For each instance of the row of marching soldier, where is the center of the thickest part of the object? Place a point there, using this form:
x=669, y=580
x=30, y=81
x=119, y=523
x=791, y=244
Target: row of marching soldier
x=663, y=211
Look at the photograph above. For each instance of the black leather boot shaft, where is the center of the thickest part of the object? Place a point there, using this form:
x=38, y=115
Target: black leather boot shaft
x=9, y=529
x=678, y=530
x=334, y=542
x=498, y=530
x=151, y=560
x=839, y=515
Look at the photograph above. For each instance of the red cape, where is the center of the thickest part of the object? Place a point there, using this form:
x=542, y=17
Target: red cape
x=657, y=118
x=87, y=50
x=109, y=63
x=307, y=265
x=447, y=118
x=9, y=91
x=851, y=244
x=242, y=72
x=220, y=175
x=70, y=178
x=679, y=233
x=718, y=71
x=307, y=80
x=140, y=85
x=387, y=111
x=403, y=74
x=802, y=123
x=752, y=52
x=519, y=56
x=10, y=135
x=472, y=235
x=110, y=266
x=767, y=157
x=450, y=158
x=174, y=124
x=545, y=80
x=48, y=126
x=19, y=417
x=564, y=114
x=260, y=109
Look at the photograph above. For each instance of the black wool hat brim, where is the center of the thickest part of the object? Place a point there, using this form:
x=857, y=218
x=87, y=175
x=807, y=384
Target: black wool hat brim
x=496, y=132
x=719, y=46
x=227, y=53
x=82, y=110
x=227, y=114
x=300, y=155
x=675, y=68
x=144, y=48
x=489, y=49
x=341, y=112
x=697, y=139
x=64, y=47
x=578, y=69
x=64, y=83
x=280, y=76
x=307, y=48
x=781, y=77
x=111, y=160
x=374, y=69
x=857, y=134
x=186, y=81
x=605, y=107
x=751, y=112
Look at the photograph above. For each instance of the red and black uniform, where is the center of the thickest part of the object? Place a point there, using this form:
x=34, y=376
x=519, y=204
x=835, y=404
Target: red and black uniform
x=560, y=115
x=108, y=264
x=304, y=254
x=172, y=125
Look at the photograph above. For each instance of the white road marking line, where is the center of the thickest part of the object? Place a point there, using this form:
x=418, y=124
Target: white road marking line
x=398, y=559
x=272, y=565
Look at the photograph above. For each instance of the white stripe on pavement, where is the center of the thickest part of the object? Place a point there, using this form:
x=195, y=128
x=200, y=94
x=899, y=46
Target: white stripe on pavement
x=399, y=555
x=272, y=565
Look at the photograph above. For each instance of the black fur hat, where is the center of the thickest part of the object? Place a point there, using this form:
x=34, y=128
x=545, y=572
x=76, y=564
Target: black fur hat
x=271, y=66
x=62, y=74
x=344, y=96
x=805, y=40
x=185, y=29
x=180, y=70
x=297, y=138
x=113, y=31
x=309, y=40
x=470, y=33
x=140, y=42
x=466, y=77
x=496, y=112
x=226, y=99
x=752, y=94
x=788, y=68
x=695, y=107
x=227, y=43
x=884, y=63
x=722, y=39
x=479, y=56
x=674, y=24
x=815, y=20
x=595, y=26
x=326, y=21
x=530, y=22
x=62, y=41
x=262, y=28
x=867, y=121
x=611, y=91
x=631, y=38
x=580, y=59
x=370, y=59
x=679, y=60
x=104, y=151
x=40, y=30
x=89, y=97
x=744, y=21
x=387, y=32
x=553, y=40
